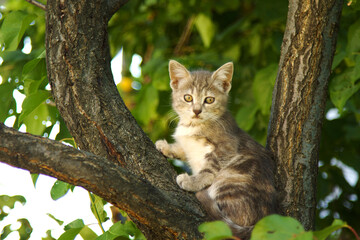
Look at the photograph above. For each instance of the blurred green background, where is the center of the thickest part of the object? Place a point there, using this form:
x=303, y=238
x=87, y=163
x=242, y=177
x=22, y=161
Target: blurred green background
x=198, y=34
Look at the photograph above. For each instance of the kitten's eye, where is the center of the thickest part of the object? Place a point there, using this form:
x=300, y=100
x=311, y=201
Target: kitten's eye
x=209, y=100
x=188, y=98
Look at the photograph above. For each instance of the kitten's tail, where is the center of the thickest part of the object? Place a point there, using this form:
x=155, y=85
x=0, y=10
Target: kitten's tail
x=210, y=206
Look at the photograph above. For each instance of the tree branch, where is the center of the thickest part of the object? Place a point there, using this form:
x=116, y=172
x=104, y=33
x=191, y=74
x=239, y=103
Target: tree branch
x=37, y=4
x=141, y=200
x=78, y=66
x=114, y=6
x=299, y=99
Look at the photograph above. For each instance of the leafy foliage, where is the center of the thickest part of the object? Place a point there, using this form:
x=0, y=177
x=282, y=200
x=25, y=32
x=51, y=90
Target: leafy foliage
x=215, y=230
x=7, y=201
x=122, y=231
x=25, y=228
x=276, y=227
x=199, y=34
x=338, y=180
x=59, y=189
x=13, y=28
x=97, y=208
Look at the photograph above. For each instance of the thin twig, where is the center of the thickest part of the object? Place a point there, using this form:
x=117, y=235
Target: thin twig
x=37, y=4
x=353, y=231
x=184, y=36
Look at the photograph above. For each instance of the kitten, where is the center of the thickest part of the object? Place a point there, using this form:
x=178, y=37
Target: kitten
x=231, y=173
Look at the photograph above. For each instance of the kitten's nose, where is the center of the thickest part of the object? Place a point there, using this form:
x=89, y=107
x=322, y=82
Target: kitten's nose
x=197, y=111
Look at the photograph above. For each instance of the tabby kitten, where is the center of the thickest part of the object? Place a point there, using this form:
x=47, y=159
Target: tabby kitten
x=231, y=173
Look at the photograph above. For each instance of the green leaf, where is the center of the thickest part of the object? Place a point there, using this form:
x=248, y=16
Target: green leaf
x=32, y=86
x=55, y=219
x=353, y=38
x=275, y=227
x=97, y=208
x=64, y=134
x=122, y=230
x=48, y=236
x=215, y=230
x=344, y=85
x=324, y=233
x=255, y=44
x=5, y=231
x=161, y=77
x=147, y=104
x=6, y=100
x=88, y=234
x=36, y=68
x=263, y=87
x=35, y=120
x=25, y=229
x=338, y=59
x=13, y=28
x=33, y=101
x=34, y=178
x=233, y=52
x=72, y=229
x=245, y=117
x=10, y=203
x=34, y=74
x=78, y=223
x=30, y=66
x=206, y=28
x=70, y=234
x=59, y=189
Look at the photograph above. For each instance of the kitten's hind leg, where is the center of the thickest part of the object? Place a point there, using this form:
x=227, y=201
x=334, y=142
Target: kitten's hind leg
x=209, y=204
x=212, y=208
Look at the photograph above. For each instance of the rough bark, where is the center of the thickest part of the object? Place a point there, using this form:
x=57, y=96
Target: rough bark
x=79, y=73
x=299, y=100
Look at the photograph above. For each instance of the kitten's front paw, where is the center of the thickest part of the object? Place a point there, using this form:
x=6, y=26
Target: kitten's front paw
x=185, y=182
x=182, y=179
x=163, y=147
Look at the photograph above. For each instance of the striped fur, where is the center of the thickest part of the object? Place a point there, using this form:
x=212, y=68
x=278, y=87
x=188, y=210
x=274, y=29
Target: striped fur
x=231, y=173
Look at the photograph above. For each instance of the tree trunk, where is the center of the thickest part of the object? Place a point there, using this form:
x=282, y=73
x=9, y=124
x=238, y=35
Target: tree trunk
x=78, y=62
x=299, y=99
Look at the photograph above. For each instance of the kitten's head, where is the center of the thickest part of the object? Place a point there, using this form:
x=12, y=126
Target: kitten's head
x=200, y=96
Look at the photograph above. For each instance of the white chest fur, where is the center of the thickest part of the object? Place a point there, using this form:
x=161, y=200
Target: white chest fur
x=195, y=147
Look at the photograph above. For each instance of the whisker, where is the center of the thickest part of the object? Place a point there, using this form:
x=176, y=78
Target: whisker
x=171, y=117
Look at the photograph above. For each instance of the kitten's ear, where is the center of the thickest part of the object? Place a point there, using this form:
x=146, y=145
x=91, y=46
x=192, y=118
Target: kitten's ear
x=177, y=73
x=223, y=76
